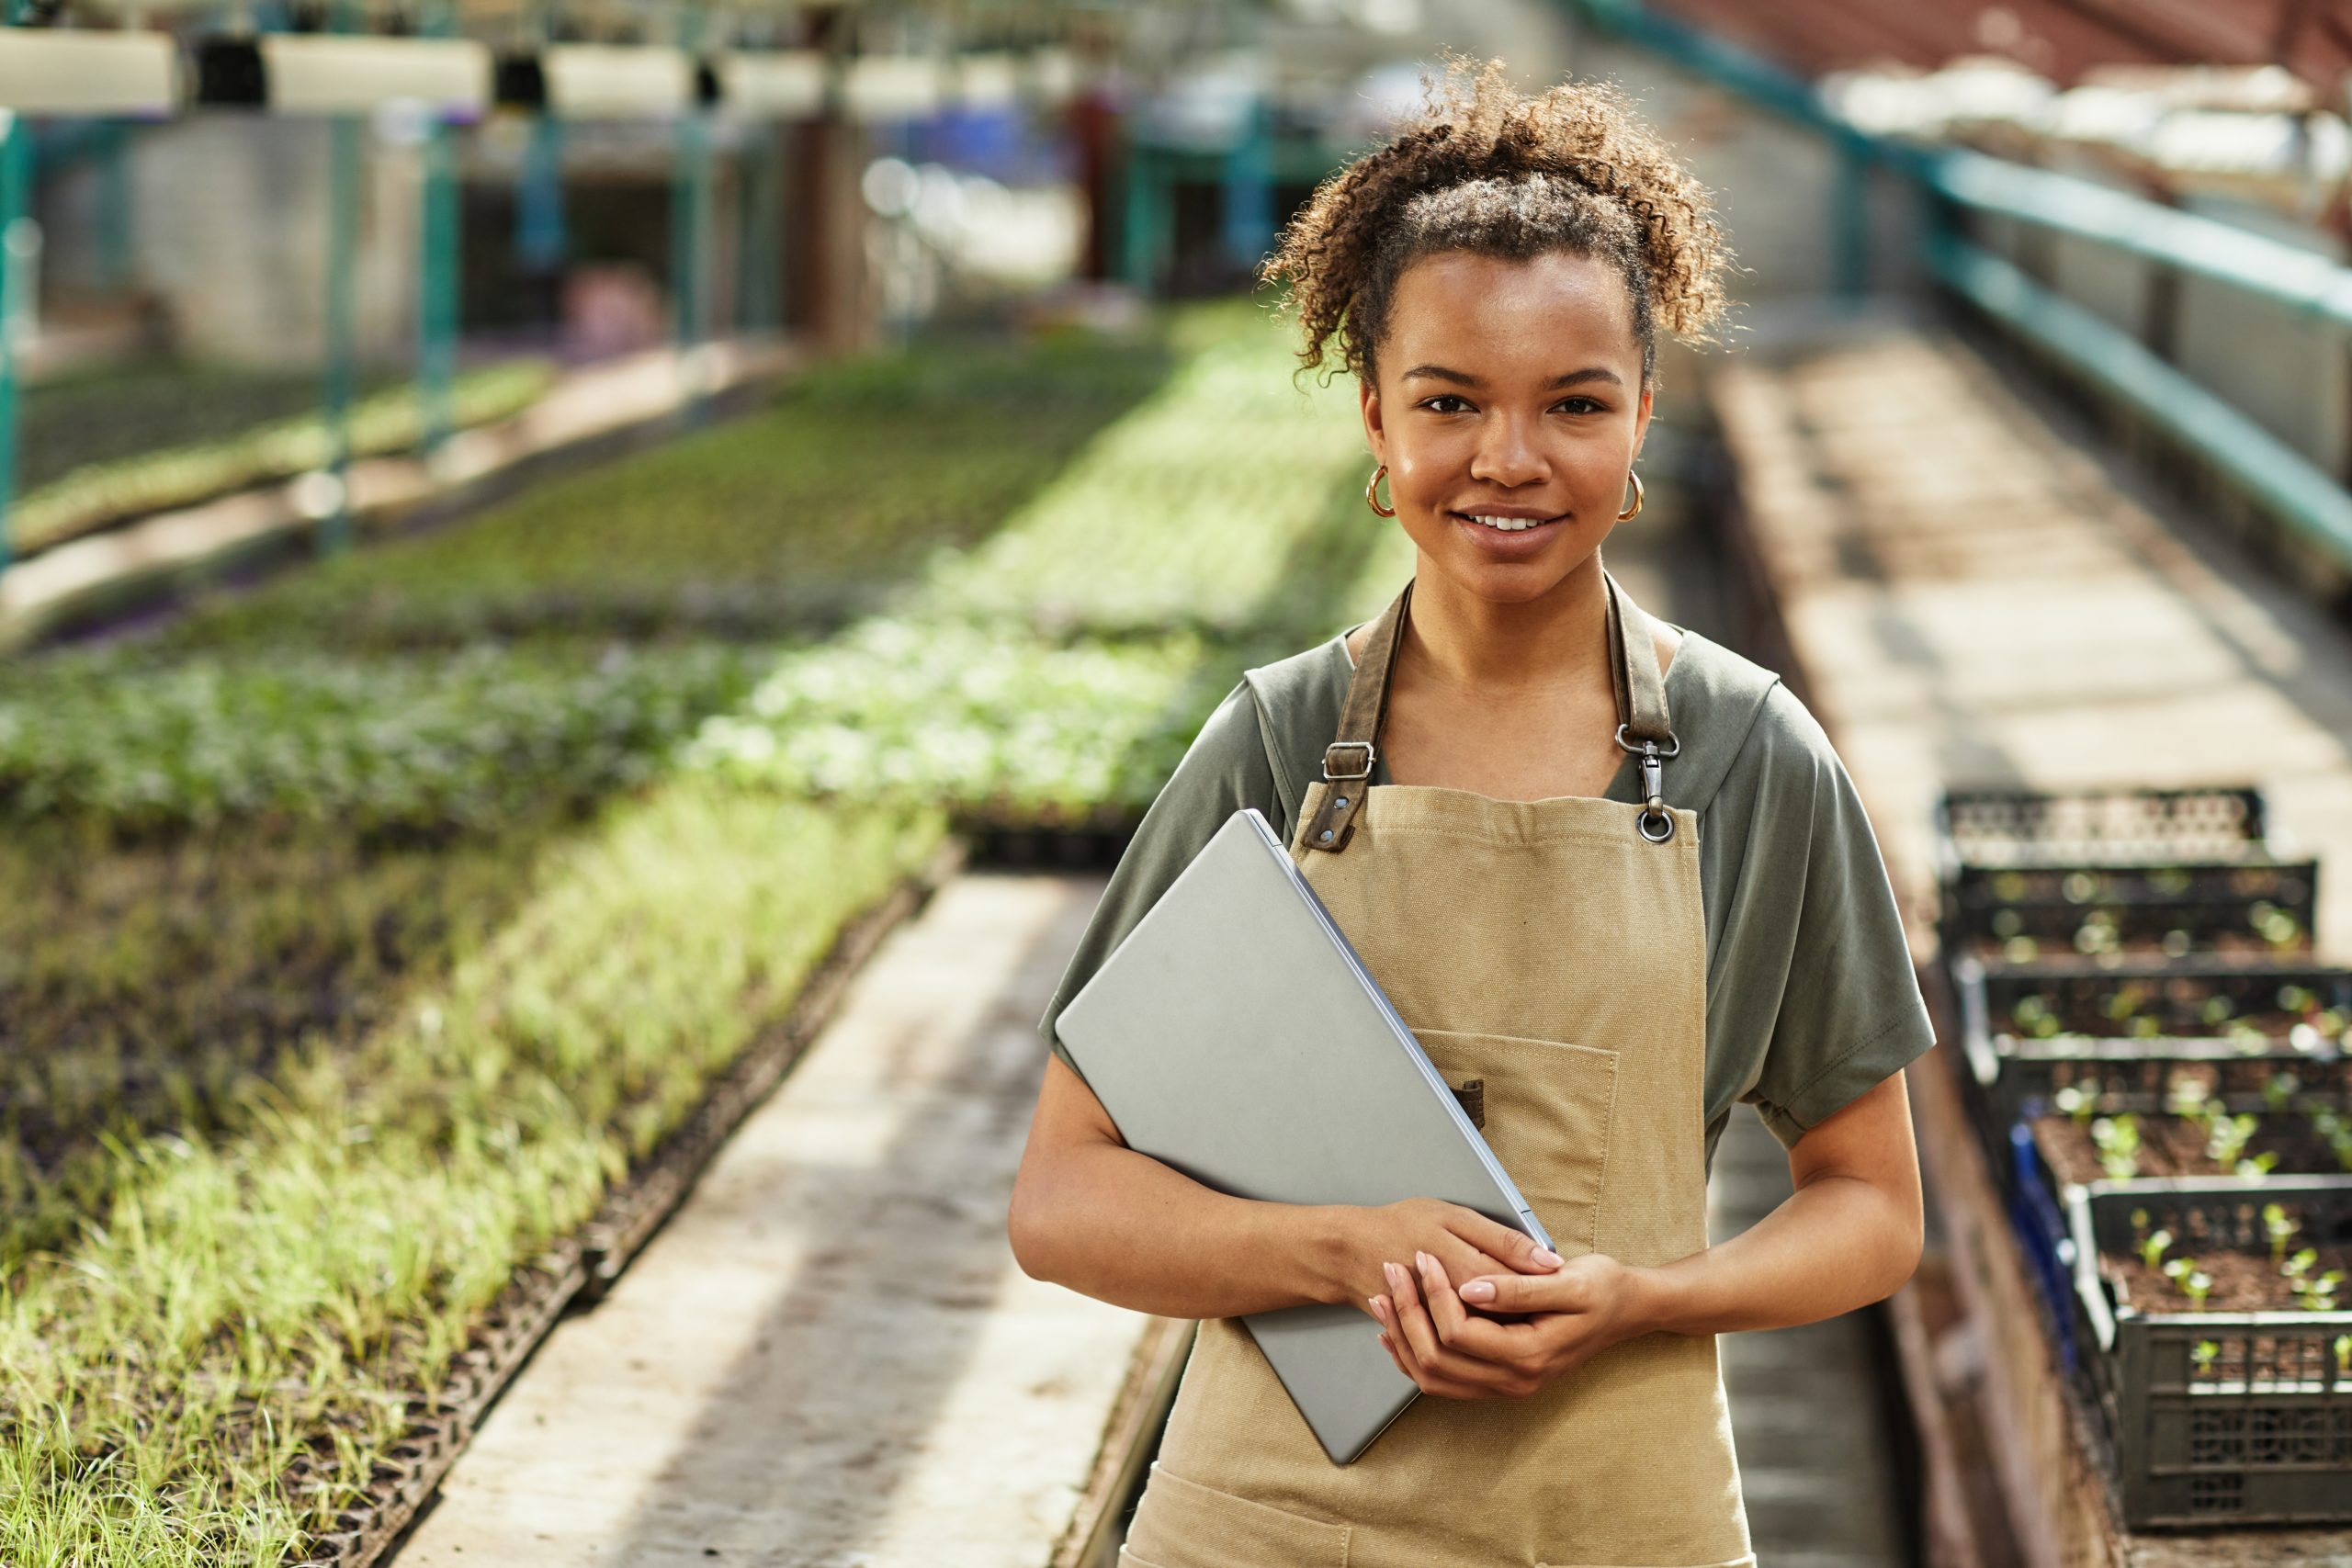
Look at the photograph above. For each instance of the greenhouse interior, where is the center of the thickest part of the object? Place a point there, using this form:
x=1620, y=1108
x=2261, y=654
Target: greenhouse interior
x=604, y=601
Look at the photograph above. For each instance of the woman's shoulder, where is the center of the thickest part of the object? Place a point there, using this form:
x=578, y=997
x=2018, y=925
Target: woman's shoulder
x=1779, y=749
x=1297, y=702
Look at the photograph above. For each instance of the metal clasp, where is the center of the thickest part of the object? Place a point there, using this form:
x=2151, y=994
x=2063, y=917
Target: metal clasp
x=1653, y=820
x=1330, y=752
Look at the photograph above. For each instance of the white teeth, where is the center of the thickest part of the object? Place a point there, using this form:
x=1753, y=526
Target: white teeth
x=1508, y=524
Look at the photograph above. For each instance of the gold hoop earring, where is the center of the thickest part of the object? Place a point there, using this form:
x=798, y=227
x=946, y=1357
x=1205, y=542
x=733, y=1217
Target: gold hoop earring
x=1636, y=512
x=1371, y=496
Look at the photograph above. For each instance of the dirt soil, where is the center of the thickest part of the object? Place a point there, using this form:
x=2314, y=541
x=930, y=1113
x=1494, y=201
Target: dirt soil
x=2175, y=1145
x=2242, y=1282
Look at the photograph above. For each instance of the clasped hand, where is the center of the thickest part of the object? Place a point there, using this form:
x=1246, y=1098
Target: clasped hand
x=1562, y=1312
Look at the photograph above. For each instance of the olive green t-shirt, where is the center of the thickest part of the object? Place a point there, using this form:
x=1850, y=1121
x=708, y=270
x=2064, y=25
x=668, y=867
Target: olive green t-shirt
x=1811, y=994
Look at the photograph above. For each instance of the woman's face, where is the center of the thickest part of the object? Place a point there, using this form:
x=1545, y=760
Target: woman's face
x=1511, y=388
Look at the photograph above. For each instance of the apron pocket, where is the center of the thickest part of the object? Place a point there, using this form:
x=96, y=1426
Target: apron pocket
x=1183, y=1524
x=1548, y=1106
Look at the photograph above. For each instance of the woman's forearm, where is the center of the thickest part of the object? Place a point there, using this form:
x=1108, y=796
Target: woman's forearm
x=1835, y=1244
x=1120, y=1226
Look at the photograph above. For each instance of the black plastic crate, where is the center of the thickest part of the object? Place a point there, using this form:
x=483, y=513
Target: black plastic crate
x=2258, y=1430
x=2008, y=1075
x=2028, y=875
x=2022, y=827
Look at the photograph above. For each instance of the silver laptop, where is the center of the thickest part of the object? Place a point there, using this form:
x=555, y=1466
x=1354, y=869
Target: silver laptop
x=1236, y=1036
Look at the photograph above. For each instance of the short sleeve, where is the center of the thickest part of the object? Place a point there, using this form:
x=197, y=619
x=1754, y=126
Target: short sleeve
x=1849, y=1011
x=1224, y=770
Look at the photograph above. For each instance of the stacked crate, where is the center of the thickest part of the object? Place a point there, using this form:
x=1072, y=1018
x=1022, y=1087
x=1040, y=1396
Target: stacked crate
x=2137, y=989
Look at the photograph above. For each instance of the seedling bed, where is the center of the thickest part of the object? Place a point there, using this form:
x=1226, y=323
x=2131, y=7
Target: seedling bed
x=577, y=1270
x=2247, y=911
x=2170, y=1146
x=2216, y=1417
x=2126, y=872
x=2132, y=1039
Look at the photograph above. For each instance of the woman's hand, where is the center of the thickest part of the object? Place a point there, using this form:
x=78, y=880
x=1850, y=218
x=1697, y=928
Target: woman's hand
x=1572, y=1313
x=1464, y=1240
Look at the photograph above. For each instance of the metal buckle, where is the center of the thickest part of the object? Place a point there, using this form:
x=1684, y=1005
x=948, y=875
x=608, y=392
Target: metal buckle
x=1626, y=745
x=1364, y=772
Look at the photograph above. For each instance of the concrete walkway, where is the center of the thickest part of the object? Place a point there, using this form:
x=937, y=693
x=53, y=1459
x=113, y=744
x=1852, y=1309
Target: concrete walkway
x=828, y=1358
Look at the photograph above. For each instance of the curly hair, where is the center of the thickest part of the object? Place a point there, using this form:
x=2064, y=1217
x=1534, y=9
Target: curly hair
x=1487, y=170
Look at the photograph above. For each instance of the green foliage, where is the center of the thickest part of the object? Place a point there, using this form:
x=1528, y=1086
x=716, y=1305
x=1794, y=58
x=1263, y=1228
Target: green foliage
x=205, y=452
x=990, y=725
x=365, y=931
x=146, y=743
x=792, y=520
x=308, y=1273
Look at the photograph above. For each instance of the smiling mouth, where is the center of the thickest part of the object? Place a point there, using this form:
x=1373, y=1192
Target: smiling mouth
x=1507, y=524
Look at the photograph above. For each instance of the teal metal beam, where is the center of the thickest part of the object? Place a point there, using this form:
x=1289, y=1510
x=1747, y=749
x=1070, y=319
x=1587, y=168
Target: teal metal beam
x=1751, y=75
x=346, y=153
x=15, y=278
x=2300, y=280
x=1247, y=187
x=2289, y=485
x=436, y=312
x=1851, y=225
x=114, y=204
x=690, y=224
x=759, y=279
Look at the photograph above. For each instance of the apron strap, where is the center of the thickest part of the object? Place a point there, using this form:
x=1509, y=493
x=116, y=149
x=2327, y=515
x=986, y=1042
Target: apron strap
x=1643, y=726
x=1347, y=761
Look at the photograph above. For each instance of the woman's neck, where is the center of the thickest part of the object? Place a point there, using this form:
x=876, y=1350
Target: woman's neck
x=1471, y=644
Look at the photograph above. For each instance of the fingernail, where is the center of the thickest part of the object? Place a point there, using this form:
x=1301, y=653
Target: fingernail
x=1479, y=1291
x=1391, y=1271
x=1421, y=1262
x=1547, y=1256
x=1380, y=1308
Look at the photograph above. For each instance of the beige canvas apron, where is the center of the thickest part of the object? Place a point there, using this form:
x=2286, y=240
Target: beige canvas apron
x=1554, y=949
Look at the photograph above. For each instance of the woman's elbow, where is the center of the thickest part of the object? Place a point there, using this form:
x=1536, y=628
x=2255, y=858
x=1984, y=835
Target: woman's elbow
x=1029, y=1227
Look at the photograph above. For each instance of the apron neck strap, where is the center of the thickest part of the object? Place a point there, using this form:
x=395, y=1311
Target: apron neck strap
x=1632, y=669
x=1642, y=720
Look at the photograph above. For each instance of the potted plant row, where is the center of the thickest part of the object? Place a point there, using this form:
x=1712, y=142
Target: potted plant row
x=2157, y=1067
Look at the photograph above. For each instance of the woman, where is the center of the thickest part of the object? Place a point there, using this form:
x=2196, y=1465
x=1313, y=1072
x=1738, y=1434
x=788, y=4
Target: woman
x=1606, y=868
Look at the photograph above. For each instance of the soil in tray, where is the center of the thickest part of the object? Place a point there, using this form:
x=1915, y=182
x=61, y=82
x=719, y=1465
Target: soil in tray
x=2242, y=1282
x=2243, y=947
x=2175, y=1145
x=2155, y=1007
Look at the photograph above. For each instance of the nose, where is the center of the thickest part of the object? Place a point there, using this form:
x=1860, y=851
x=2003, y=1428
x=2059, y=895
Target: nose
x=1507, y=455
